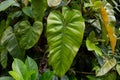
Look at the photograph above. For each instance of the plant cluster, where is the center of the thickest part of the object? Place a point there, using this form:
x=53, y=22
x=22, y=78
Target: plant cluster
x=59, y=39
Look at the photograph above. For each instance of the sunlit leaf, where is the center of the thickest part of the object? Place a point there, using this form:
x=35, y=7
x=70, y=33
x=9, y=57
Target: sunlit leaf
x=64, y=35
x=5, y=4
x=109, y=64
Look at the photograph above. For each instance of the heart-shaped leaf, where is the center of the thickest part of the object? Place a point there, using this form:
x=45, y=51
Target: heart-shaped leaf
x=64, y=35
x=29, y=35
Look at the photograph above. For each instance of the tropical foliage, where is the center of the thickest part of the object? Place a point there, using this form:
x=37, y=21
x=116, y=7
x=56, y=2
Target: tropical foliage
x=59, y=39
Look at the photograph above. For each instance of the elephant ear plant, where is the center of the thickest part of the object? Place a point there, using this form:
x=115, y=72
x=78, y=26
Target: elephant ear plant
x=64, y=39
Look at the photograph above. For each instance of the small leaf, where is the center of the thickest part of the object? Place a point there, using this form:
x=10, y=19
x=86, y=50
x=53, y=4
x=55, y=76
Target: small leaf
x=53, y=3
x=48, y=75
x=16, y=75
x=118, y=68
x=19, y=67
x=109, y=64
x=32, y=65
x=10, y=42
x=28, y=11
x=29, y=35
x=5, y=4
x=64, y=35
x=6, y=78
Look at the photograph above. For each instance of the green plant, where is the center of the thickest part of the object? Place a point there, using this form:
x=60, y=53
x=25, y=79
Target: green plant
x=68, y=39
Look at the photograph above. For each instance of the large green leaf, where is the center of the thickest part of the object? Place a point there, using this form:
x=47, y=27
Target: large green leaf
x=6, y=78
x=64, y=35
x=10, y=42
x=39, y=7
x=109, y=64
x=5, y=4
x=32, y=65
x=29, y=35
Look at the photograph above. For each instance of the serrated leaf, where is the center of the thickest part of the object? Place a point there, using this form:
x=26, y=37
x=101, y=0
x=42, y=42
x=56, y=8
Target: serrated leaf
x=108, y=17
x=118, y=68
x=53, y=3
x=5, y=4
x=64, y=35
x=32, y=65
x=109, y=64
x=39, y=7
x=6, y=78
x=29, y=35
x=10, y=42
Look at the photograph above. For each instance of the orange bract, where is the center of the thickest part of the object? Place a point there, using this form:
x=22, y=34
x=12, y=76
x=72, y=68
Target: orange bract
x=109, y=29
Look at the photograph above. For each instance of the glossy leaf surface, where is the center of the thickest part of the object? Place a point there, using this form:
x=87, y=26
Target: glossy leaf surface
x=64, y=35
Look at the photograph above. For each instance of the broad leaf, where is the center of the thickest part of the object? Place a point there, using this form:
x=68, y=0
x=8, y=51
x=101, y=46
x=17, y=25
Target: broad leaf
x=6, y=78
x=109, y=64
x=10, y=42
x=108, y=17
x=39, y=7
x=64, y=35
x=32, y=65
x=5, y=4
x=3, y=58
x=53, y=3
x=29, y=35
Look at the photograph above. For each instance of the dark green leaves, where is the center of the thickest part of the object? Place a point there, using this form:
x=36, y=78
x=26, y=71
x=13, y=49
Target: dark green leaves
x=64, y=35
x=29, y=35
x=10, y=42
x=39, y=7
x=27, y=71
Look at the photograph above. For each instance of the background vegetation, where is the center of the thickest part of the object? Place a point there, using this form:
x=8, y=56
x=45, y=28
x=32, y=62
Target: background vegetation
x=59, y=39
